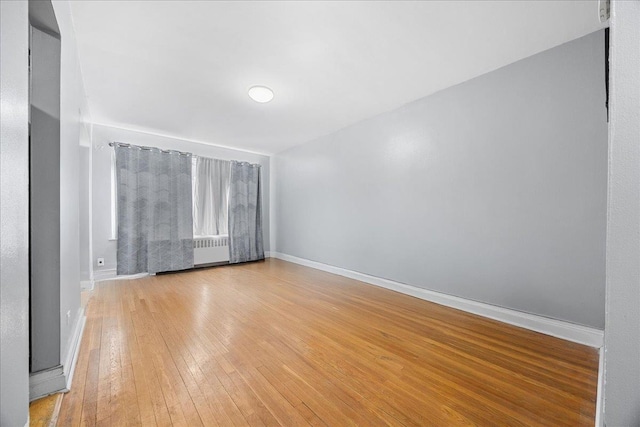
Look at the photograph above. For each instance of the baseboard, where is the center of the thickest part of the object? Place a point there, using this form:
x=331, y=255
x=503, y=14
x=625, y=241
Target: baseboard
x=557, y=328
x=46, y=382
x=87, y=285
x=111, y=274
x=104, y=274
x=267, y=254
x=58, y=378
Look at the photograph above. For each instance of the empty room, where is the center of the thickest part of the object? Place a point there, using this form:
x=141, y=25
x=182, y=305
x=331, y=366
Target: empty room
x=326, y=213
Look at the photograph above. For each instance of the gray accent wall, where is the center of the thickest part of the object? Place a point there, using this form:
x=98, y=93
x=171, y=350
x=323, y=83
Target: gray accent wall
x=44, y=190
x=14, y=213
x=493, y=190
x=622, y=333
x=103, y=245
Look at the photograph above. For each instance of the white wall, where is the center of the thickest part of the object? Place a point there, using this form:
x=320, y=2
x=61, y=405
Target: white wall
x=622, y=333
x=493, y=190
x=84, y=215
x=105, y=248
x=14, y=205
x=73, y=111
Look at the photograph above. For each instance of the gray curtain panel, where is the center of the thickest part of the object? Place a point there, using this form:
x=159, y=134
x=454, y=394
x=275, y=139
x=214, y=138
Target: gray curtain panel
x=210, y=196
x=155, y=222
x=245, y=213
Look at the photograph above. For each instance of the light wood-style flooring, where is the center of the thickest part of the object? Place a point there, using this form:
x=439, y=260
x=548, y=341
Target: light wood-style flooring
x=275, y=343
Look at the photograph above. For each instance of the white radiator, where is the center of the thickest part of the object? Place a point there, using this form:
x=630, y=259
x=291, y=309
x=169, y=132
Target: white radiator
x=210, y=250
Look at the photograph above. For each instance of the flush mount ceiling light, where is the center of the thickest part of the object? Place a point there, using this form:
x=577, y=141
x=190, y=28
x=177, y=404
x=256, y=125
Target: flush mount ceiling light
x=261, y=94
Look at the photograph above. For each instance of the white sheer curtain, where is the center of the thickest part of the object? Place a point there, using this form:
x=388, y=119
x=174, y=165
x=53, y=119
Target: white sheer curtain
x=210, y=196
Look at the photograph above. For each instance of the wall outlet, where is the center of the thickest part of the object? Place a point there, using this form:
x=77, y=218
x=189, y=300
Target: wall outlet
x=100, y=262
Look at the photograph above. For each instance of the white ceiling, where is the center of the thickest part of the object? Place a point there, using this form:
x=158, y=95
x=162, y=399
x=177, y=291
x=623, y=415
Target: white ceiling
x=183, y=68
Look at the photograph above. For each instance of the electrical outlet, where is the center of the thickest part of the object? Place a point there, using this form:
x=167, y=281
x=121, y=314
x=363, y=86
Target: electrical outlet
x=100, y=262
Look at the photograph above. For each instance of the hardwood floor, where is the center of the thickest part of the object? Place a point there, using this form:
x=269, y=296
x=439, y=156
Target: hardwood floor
x=274, y=343
x=44, y=411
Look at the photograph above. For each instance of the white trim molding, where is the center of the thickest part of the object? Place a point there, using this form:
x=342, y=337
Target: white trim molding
x=600, y=391
x=557, y=328
x=69, y=366
x=180, y=138
x=104, y=274
x=110, y=274
x=87, y=285
x=59, y=378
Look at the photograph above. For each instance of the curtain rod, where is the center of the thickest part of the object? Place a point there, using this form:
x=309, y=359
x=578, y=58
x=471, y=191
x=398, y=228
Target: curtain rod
x=182, y=153
x=141, y=147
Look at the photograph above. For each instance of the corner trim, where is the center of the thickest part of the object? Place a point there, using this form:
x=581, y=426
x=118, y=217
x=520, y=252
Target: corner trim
x=557, y=328
x=53, y=422
x=72, y=356
x=600, y=393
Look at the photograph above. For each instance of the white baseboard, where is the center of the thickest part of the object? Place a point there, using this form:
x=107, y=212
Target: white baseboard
x=132, y=276
x=59, y=378
x=557, y=328
x=111, y=274
x=104, y=274
x=87, y=285
x=267, y=254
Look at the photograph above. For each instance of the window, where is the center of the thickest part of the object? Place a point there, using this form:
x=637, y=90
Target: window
x=210, y=188
x=210, y=191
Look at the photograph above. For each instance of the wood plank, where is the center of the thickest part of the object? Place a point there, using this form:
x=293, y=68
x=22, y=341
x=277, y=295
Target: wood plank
x=274, y=343
x=45, y=411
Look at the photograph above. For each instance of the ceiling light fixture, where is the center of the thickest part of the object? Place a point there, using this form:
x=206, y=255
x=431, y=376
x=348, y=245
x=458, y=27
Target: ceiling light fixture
x=261, y=94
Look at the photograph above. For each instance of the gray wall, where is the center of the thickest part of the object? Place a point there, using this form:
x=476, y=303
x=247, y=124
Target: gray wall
x=493, y=190
x=101, y=181
x=622, y=333
x=45, y=195
x=14, y=205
